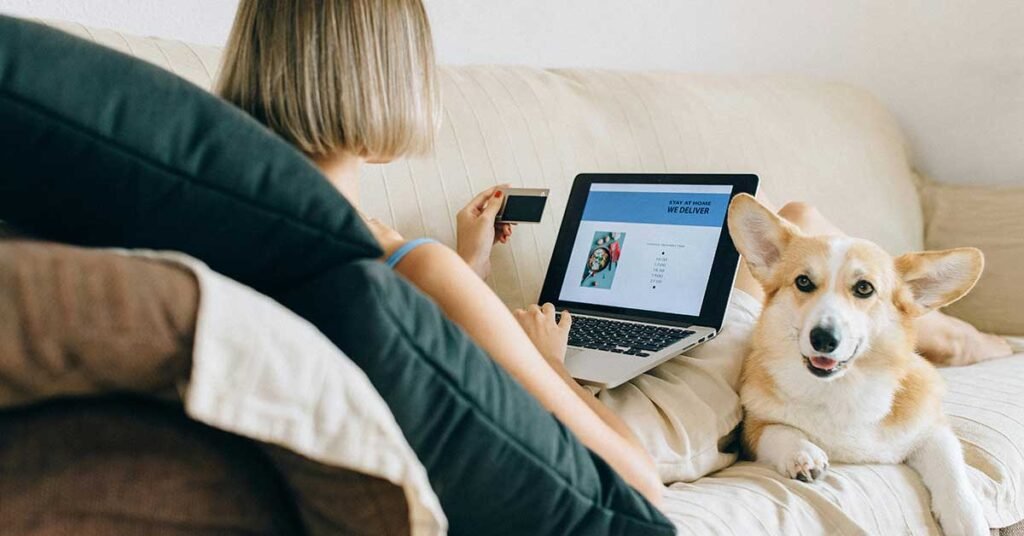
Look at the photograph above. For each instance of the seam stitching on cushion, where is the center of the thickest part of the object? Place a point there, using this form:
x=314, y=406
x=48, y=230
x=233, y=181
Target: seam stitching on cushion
x=167, y=59
x=489, y=422
x=524, y=115
x=164, y=167
x=538, y=251
x=457, y=83
x=209, y=75
x=416, y=197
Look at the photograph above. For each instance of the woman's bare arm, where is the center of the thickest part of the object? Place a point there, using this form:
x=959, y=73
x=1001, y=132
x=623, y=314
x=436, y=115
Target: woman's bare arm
x=469, y=302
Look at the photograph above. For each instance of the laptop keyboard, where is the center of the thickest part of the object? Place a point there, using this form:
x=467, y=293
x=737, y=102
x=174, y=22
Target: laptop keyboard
x=627, y=338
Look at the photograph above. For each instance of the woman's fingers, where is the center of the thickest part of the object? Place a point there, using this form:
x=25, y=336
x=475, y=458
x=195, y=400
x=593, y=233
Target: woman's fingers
x=543, y=316
x=478, y=201
x=502, y=232
x=566, y=321
x=489, y=211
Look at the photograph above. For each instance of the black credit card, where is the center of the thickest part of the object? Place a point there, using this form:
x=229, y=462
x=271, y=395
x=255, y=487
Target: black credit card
x=523, y=205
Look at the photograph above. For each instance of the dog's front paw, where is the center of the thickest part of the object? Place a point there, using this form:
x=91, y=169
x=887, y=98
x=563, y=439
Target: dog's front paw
x=961, y=515
x=806, y=463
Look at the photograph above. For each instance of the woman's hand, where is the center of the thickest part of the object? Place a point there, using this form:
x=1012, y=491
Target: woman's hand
x=388, y=238
x=478, y=232
x=551, y=337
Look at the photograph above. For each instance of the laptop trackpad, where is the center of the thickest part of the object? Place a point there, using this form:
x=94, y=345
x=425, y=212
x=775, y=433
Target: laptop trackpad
x=573, y=352
x=599, y=368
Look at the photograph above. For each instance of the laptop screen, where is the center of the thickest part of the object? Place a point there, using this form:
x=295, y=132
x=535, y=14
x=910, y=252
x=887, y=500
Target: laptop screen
x=647, y=247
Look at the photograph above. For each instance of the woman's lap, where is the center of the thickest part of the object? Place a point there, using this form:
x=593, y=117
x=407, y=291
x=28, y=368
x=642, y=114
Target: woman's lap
x=686, y=410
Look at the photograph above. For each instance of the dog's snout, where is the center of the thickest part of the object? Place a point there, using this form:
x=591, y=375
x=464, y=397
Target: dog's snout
x=824, y=340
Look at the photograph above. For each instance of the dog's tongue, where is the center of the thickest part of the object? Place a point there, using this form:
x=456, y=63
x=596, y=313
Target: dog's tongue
x=824, y=363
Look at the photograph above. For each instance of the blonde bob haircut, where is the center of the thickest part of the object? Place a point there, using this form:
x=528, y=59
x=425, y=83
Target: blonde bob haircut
x=336, y=75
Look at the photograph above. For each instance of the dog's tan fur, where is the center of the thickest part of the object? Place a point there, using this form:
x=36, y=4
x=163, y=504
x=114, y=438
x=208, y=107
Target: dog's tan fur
x=872, y=399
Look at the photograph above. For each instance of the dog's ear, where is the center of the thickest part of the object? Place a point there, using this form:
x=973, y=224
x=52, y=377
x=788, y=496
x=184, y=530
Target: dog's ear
x=760, y=235
x=938, y=278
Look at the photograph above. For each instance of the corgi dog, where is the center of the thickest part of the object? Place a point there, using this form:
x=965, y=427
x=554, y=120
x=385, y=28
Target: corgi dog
x=832, y=376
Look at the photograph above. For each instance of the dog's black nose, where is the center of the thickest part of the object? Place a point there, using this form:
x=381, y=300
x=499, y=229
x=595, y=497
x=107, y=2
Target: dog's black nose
x=823, y=340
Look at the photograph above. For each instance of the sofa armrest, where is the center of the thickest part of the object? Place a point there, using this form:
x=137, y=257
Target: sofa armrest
x=992, y=219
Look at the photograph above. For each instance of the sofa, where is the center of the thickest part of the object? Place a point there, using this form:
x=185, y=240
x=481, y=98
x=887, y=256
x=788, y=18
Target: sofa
x=827, y=144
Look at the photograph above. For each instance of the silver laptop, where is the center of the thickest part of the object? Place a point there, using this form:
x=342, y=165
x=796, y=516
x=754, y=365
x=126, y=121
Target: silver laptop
x=645, y=264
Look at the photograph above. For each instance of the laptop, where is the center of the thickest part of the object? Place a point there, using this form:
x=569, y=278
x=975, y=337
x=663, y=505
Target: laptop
x=645, y=265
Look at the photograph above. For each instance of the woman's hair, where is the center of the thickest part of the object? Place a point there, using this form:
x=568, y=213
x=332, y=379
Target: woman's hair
x=332, y=75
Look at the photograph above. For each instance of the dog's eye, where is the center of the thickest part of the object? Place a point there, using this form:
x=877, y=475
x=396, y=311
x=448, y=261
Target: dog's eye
x=863, y=289
x=804, y=284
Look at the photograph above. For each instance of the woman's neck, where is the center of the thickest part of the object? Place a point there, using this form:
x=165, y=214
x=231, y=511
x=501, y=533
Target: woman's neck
x=342, y=170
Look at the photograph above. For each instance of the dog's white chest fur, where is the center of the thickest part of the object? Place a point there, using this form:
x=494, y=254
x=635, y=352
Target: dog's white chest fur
x=844, y=417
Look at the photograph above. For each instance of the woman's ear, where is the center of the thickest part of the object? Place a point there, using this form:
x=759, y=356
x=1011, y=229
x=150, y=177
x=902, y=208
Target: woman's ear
x=938, y=278
x=760, y=235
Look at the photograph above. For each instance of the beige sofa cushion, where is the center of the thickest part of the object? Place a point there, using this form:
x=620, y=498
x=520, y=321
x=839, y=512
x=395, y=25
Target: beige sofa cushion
x=985, y=404
x=827, y=144
x=991, y=219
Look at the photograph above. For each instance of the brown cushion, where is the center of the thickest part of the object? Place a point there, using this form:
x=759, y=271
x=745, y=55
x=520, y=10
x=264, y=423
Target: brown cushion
x=991, y=219
x=81, y=321
x=336, y=501
x=76, y=321
x=127, y=465
x=1013, y=530
x=131, y=466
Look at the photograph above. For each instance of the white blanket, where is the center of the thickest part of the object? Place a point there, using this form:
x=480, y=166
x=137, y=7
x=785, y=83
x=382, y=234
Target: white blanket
x=985, y=404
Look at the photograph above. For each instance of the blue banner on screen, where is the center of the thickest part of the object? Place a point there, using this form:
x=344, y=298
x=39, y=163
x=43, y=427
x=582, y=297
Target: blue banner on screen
x=676, y=208
x=647, y=247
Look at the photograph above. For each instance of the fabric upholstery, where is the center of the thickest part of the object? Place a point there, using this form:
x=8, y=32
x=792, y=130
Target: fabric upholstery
x=262, y=372
x=138, y=158
x=1013, y=530
x=332, y=501
x=991, y=219
x=985, y=404
x=807, y=140
x=95, y=467
x=78, y=321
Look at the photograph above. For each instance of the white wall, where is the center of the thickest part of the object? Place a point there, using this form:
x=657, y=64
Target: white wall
x=951, y=70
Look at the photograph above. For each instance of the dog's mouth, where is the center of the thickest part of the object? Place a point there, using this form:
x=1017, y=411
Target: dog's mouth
x=824, y=367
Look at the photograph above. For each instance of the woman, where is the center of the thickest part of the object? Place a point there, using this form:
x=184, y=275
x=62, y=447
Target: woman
x=353, y=81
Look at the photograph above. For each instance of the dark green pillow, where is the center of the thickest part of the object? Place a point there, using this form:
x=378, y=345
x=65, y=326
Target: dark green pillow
x=103, y=149
x=99, y=148
x=509, y=466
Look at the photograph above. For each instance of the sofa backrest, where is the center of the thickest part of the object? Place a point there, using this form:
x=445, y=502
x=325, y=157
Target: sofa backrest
x=828, y=144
